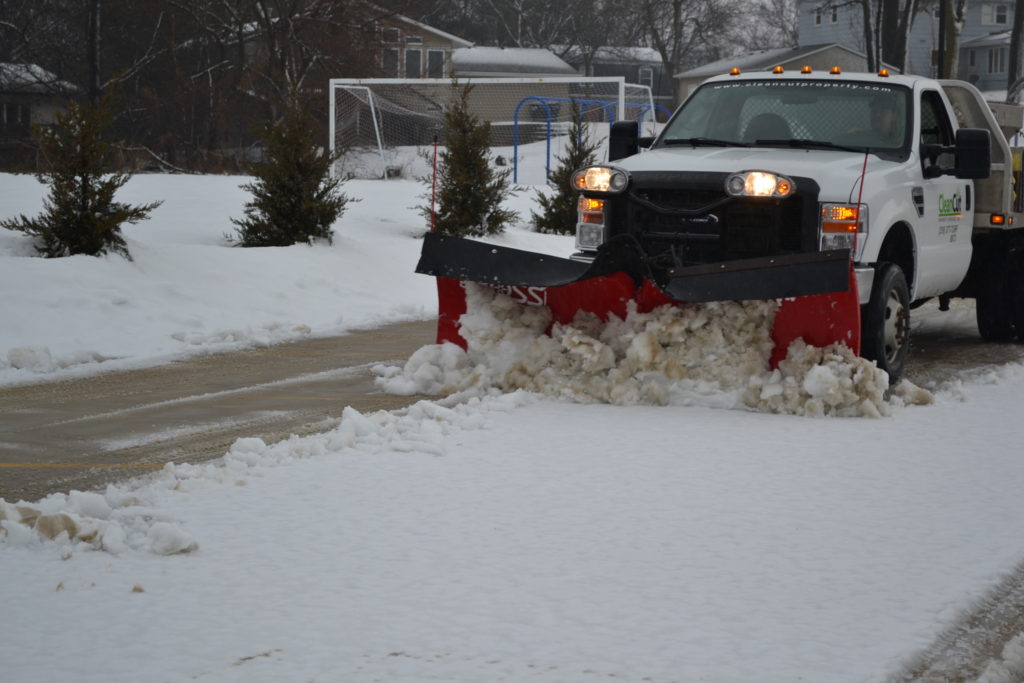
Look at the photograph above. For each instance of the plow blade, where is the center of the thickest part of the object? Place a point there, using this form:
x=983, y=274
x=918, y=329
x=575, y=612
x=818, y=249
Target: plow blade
x=818, y=291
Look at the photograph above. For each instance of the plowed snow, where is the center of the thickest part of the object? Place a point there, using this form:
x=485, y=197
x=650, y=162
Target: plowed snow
x=711, y=354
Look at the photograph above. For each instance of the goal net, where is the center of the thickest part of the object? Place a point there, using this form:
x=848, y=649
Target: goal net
x=381, y=126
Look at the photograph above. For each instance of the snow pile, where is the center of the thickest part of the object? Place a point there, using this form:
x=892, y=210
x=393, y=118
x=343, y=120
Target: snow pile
x=125, y=517
x=714, y=354
x=113, y=522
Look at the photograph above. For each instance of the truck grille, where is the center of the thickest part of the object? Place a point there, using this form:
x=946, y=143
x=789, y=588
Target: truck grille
x=687, y=218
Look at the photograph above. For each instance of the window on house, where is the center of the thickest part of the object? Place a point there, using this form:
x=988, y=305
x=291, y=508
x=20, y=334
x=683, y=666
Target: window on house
x=835, y=15
x=390, y=35
x=646, y=76
x=389, y=62
x=414, y=40
x=996, y=60
x=994, y=14
x=413, y=63
x=817, y=17
x=970, y=58
x=435, y=63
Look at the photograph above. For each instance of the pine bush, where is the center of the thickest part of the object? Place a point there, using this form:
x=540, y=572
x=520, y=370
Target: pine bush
x=294, y=198
x=558, y=213
x=80, y=215
x=469, y=191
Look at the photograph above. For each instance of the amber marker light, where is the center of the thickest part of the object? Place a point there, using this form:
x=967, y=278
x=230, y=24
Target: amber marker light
x=778, y=69
x=806, y=69
x=735, y=71
x=839, y=218
x=997, y=219
x=835, y=71
x=883, y=73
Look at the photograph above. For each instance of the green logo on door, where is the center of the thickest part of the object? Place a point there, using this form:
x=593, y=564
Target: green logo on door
x=950, y=206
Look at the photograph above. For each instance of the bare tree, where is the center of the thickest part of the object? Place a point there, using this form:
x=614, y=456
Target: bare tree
x=956, y=15
x=769, y=24
x=1013, y=74
x=684, y=32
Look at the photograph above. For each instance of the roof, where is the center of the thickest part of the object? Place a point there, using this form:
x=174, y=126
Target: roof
x=762, y=59
x=30, y=78
x=455, y=40
x=612, y=54
x=508, y=61
x=997, y=38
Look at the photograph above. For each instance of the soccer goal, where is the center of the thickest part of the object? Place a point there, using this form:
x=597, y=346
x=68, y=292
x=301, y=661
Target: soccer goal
x=382, y=125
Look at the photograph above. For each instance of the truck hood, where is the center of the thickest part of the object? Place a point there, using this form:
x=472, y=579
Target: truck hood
x=834, y=171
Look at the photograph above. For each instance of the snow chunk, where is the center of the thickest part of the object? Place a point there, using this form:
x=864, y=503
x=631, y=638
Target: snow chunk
x=713, y=354
x=168, y=539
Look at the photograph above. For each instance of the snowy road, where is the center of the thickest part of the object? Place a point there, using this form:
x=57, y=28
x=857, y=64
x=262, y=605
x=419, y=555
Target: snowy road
x=79, y=434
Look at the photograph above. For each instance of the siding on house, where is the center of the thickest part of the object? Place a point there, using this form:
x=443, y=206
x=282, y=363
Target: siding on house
x=843, y=24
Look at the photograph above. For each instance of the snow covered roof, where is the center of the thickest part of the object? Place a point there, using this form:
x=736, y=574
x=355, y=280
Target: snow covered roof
x=997, y=38
x=508, y=61
x=615, y=54
x=16, y=77
x=761, y=59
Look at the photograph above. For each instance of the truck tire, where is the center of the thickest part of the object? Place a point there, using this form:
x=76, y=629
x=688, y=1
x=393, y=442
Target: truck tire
x=1015, y=286
x=885, y=321
x=994, y=309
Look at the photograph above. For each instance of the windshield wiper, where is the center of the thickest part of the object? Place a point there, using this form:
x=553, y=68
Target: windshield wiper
x=807, y=144
x=709, y=142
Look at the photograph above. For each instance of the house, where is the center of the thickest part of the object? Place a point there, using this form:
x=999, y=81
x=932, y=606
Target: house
x=29, y=95
x=818, y=57
x=831, y=21
x=639, y=65
x=984, y=61
x=412, y=49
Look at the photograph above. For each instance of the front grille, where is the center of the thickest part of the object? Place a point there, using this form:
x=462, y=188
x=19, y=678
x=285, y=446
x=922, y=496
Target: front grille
x=687, y=218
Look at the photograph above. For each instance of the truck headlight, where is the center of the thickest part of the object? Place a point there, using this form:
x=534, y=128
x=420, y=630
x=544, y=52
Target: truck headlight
x=600, y=179
x=759, y=184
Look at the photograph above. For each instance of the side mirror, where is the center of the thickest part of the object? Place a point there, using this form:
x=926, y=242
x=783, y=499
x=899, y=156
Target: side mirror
x=623, y=140
x=973, y=153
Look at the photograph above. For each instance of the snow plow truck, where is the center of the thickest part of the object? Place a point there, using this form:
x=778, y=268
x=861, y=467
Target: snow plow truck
x=850, y=198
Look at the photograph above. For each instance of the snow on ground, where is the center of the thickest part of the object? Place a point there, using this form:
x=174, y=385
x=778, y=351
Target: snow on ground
x=497, y=534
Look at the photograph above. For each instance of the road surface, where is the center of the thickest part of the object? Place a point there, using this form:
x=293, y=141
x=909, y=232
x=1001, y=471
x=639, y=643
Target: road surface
x=80, y=434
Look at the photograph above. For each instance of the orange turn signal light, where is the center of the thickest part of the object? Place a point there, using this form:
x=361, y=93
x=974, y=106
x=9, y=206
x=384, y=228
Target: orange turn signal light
x=839, y=219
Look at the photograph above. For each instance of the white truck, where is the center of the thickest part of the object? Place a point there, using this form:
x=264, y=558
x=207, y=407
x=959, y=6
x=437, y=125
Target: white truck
x=887, y=190
x=913, y=175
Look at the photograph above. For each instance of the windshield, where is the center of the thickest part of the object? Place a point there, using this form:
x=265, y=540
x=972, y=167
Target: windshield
x=794, y=113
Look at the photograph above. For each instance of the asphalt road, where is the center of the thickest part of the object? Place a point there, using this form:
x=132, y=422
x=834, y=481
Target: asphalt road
x=80, y=434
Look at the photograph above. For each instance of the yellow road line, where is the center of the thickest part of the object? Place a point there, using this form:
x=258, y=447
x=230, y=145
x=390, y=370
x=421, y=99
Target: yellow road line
x=382, y=399
x=124, y=465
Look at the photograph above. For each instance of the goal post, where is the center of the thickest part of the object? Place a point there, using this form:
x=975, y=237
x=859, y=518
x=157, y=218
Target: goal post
x=378, y=124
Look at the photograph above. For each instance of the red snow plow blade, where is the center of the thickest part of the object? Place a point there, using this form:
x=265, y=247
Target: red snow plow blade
x=817, y=292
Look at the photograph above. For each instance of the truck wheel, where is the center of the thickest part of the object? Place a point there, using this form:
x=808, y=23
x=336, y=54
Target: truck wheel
x=1015, y=286
x=993, y=308
x=885, y=321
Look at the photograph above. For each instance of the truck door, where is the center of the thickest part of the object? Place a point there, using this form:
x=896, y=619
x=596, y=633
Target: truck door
x=945, y=206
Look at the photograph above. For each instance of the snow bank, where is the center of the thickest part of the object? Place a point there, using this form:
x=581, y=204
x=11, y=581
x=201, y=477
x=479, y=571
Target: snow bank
x=713, y=354
x=125, y=518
